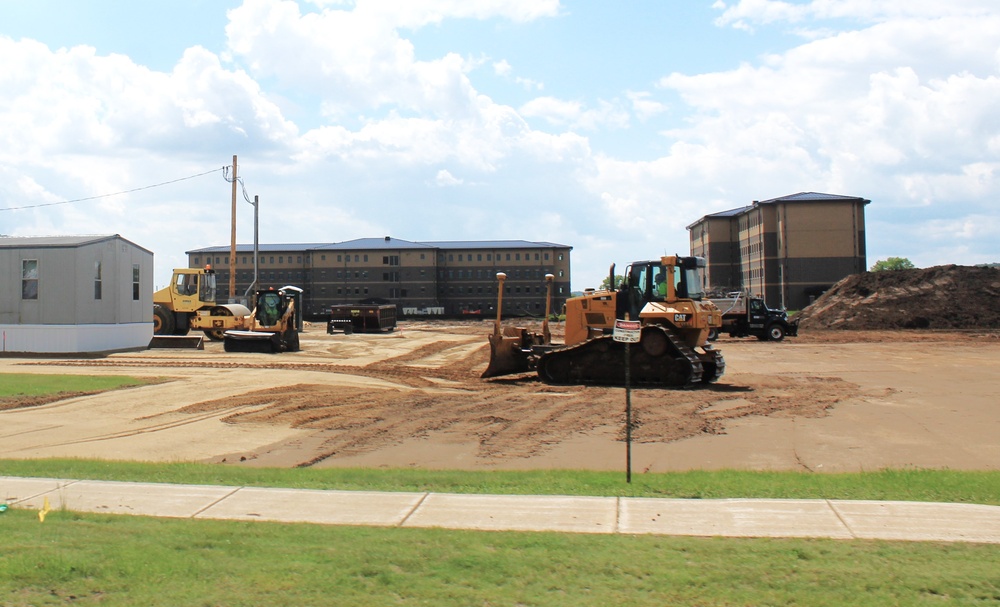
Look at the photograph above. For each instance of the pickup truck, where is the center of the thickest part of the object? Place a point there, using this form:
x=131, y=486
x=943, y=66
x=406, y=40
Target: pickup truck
x=743, y=316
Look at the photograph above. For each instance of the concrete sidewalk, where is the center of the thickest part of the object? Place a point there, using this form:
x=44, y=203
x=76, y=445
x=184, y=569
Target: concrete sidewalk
x=917, y=521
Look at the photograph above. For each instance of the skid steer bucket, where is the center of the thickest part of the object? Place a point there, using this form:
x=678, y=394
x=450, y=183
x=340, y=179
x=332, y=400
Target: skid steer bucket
x=193, y=342
x=265, y=342
x=508, y=352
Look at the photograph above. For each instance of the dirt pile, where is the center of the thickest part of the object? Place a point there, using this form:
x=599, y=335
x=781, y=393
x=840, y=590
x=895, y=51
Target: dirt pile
x=941, y=297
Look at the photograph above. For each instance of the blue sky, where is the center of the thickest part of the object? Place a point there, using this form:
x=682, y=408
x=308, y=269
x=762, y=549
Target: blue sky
x=605, y=126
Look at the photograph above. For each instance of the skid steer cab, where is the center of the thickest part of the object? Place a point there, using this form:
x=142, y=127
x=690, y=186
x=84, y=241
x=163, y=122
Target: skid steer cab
x=273, y=324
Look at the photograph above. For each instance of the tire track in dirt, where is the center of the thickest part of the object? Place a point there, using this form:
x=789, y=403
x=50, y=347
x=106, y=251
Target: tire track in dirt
x=159, y=427
x=508, y=418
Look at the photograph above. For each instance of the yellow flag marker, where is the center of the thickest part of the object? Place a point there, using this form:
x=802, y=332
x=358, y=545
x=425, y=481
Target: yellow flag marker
x=45, y=510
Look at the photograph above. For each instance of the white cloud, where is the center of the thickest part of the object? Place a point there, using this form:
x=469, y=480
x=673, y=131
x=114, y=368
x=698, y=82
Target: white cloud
x=414, y=14
x=743, y=14
x=860, y=111
x=505, y=70
x=644, y=107
x=446, y=179
x=896, y=107
x=575, y=115
x=358, y=59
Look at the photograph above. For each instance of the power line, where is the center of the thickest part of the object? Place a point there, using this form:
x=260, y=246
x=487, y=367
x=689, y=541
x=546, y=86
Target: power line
x=239, y=180
x=147, y=187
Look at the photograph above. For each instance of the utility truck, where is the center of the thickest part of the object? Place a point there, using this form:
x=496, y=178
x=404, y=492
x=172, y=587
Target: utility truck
x=744, y=315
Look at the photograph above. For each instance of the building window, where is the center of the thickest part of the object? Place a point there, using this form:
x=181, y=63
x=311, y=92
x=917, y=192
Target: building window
x=135, y=282
x=97, y=280
x=29, y=279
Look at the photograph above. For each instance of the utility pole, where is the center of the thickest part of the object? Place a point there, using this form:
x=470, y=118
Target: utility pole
x=232, y=248
x=256, y=232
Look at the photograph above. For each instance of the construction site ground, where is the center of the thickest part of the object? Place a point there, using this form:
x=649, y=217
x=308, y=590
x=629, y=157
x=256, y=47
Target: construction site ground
x=827, y=401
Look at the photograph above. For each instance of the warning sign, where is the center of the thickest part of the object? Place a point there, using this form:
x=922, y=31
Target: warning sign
x=627, y=331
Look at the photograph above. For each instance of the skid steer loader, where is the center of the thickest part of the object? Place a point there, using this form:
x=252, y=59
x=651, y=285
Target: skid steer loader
x=272, y=327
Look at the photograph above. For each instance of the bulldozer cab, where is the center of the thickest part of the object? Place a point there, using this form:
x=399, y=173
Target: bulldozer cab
x=667, y=280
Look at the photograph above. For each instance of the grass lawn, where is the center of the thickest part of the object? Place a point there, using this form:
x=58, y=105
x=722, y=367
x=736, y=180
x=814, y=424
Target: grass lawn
x=16, y=387
x=90, y=559
x=980, y=487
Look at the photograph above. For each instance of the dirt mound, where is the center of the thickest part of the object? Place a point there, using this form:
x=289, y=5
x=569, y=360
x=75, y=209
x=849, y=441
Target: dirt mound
x=942, y=297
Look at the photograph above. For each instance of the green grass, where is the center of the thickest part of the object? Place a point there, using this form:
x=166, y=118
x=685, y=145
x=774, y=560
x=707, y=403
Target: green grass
x=981, y=487
x=90, y=559
x=31, y=384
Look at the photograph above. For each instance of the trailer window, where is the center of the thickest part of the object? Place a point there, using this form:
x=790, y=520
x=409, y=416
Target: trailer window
x=29, y=279
x=97, y=280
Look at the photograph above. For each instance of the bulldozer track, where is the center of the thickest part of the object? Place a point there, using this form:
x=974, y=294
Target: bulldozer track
x=660, y=359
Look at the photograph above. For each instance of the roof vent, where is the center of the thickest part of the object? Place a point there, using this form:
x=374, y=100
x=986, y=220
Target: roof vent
x=387, y=239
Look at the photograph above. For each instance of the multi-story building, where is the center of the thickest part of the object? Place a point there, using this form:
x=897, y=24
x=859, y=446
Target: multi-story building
x=419, y=277
x=788, y=249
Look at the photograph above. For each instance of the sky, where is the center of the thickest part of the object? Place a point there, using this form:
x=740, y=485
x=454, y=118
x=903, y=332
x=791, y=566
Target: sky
x=605, y=126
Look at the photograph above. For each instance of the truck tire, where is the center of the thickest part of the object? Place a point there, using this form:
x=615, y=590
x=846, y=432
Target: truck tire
x=713, y=334
x=775, y=332
x=163, y=320
x=181, y=323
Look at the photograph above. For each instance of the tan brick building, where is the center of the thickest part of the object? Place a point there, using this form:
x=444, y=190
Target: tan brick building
x=788, y=249
x=451, y=277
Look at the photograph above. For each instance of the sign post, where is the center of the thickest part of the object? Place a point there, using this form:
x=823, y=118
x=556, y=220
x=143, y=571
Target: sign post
x=628, y=332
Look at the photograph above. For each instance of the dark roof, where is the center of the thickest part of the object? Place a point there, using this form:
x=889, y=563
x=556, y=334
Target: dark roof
x=374, y=243
x=377, y=244
x=722, y=215
x=494, y=244
x=800, y=197
x=52, y=242
x=263, y=248
x=812, y=197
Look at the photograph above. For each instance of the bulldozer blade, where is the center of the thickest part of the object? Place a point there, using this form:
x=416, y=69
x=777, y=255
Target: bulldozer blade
x=251, y=341
x=506, y=354
x=193, y=342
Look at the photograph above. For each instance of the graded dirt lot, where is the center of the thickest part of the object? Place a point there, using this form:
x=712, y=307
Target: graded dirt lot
x=825, y=401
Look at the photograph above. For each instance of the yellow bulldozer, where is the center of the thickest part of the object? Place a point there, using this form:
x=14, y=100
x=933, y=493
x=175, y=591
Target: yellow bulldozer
x=189, y=303
x=665, y=295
